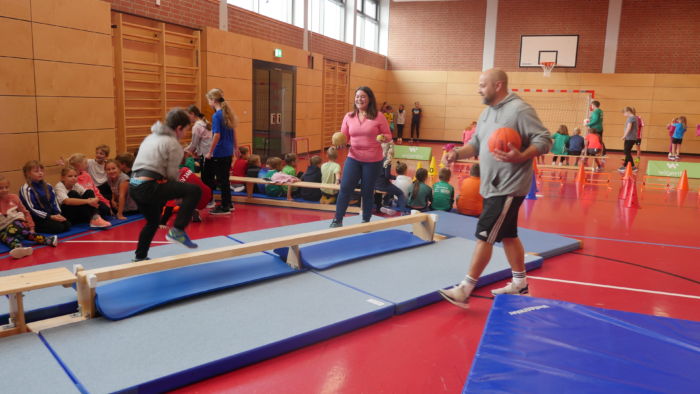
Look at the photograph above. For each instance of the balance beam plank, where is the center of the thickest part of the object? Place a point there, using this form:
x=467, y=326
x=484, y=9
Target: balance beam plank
x=35, y=280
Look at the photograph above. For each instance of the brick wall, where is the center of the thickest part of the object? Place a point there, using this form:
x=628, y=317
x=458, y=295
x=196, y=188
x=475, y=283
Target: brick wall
x=585, y=18
x=191, y=13
x=330, y=48
x=255, y=25
x=659, y=37
x=370, y=58
x=436, y=35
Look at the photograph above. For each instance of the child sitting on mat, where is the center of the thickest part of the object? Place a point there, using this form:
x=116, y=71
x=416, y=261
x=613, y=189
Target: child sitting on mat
x=16, y=224
x=122, y=204
x=253, y=166
x=403, y=182
x=79, y=162
x=97, y=171
x=239, y=168
x=421, y=195
x=312, y=174
x=273, y=190
x=40, y=199
x=469, y=201
x=443, y=192
x=330, y=173
x=78, y=204
x=125, y=161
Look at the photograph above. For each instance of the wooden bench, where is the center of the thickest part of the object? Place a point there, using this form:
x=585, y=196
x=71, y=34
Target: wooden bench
x=14, y=286
x=251, y=182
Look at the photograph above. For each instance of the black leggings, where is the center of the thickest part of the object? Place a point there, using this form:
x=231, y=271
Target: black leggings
x=629, y=144
x=415, y=127
x=399, y=131
x=50, y=226
x=221, y=167
x=151, y=196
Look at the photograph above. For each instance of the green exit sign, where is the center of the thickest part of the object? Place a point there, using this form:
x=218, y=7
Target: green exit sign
x=278, y=52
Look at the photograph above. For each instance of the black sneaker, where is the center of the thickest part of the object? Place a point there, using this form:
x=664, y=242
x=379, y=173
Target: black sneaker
x=336, y=223
x=220, y=211
x=136, y=259
x=195, y=217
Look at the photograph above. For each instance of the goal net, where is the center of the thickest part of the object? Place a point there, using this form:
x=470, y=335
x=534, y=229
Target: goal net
x=557, y=107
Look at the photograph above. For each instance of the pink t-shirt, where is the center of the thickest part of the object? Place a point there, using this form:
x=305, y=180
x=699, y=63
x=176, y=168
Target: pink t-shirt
x=467, y=135
x=85, y=180
x=362, y=137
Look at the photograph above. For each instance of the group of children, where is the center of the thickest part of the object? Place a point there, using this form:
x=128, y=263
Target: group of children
x=89, y=190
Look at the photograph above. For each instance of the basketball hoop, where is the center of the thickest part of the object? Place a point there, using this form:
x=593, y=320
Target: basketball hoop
x=547, y=67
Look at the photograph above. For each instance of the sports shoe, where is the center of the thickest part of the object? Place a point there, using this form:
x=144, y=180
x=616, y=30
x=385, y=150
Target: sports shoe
x=510, y=288
x=635, y=169
x=195, y=217
x=621, y=169
x=180, y=236
x=219, y=211
x=18, y=253
x=136, y=259
x=336, y=223
x=211, y=204
x=98, y=222
x=388, y=211
x=457, y=295
x=52, y=240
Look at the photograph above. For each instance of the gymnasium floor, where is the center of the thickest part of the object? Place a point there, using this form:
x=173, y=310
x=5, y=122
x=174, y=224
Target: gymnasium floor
x=640, y=260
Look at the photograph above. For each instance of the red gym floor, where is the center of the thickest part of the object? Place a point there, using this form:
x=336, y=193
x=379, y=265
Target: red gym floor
x=643, y=260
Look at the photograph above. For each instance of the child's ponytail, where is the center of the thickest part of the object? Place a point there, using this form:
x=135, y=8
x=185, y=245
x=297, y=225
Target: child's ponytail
x=230, y=118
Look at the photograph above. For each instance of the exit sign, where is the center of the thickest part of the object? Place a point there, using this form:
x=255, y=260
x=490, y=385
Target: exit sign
x=278, y=52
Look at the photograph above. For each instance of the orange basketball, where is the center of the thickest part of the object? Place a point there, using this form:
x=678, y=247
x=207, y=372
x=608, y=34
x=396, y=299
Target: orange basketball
x=501, y=137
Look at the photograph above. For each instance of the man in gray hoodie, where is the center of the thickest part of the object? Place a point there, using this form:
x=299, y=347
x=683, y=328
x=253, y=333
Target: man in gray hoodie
x=505, y=181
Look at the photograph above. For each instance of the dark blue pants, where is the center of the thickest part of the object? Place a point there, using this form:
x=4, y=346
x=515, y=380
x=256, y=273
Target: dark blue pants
x=353, y=172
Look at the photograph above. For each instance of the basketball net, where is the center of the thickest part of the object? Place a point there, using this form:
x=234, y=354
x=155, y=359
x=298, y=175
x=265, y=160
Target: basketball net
x=547, y=67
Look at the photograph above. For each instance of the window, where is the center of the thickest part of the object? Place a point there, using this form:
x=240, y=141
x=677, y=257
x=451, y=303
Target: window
x=367, y=35
x=327, y=17
x=367, y=8
x=282, y=10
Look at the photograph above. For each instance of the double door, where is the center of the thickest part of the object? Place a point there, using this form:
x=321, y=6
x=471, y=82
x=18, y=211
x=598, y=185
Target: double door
x=273, y=106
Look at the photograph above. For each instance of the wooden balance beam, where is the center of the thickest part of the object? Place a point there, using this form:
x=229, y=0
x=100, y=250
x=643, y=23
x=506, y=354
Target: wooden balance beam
x=14, y=285
x=423, y=227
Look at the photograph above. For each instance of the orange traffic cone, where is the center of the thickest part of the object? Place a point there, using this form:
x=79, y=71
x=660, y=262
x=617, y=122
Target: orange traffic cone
x=683, y=182
x=628, y=172
x=581, y=174
x=632, y=201
x=625, y=189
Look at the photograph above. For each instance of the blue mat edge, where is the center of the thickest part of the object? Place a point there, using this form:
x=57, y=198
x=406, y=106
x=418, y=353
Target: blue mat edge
x=481, y=341
x=233, y=362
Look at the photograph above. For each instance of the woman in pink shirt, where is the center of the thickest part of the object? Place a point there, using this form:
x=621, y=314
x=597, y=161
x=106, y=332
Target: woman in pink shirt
x=365, y=131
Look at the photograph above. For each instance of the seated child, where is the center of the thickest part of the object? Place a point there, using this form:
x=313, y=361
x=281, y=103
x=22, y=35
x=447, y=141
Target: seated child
x=561, y=141
x=262, y=173
x=443, y=192
x=421, y=195
x=96, y=169
x=172, y=206
x=330, y=173
x=122, y=203
x=40, y=199
x=593, y=147
x=312, y=174
x=254, y=164
x=239, y=168
x=290, y=165
x=273, y=190
x=125, y=161
x=403, y=182
x=469, y=201
x=16, y=224
x=383, y=184
x=78, y=204
x=575, y=145
x=79, y=162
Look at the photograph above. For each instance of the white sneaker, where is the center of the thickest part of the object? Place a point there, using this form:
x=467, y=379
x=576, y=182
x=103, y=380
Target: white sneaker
x=18, y=253
x=510, y=288
x=211, y=204
x=387, y=211
x=457, y=295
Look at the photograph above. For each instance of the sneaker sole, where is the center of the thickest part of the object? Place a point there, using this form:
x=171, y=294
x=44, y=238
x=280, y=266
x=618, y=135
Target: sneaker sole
x=463, y=305
x=21, y=252
x=173, y=240
x=220, y=213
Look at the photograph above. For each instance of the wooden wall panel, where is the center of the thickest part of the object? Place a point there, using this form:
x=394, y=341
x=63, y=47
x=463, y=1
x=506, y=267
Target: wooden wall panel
x=219, y=65
x=53, y=145
x=59, y=44
x=66, y=79
x=234, y=89
x=19, y=114
x=88, y=15
x=17, y=76
x=220, y=41
x=74, y=113
x=243, y=109
x=16, y=179
x=17, y=150
x=20, y=43
x=19, y=9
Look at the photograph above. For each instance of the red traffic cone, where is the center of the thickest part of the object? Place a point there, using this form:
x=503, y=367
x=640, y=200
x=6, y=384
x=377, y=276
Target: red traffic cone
x=628, y=171
x=625, y=189
x=632, y=201
x=683, y=182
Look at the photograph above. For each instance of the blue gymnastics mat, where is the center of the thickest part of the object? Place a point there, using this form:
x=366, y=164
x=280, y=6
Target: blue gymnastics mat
x=198, y=338
x=328, y=254
x=410, y=278
x=128, y=297
x=27, y=366
x=294, y=229
x=536, y=242
x=547, y=346
x=56, y=301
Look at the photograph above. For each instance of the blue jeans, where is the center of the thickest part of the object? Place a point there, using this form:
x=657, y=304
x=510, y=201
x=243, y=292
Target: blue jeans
x=353, y=172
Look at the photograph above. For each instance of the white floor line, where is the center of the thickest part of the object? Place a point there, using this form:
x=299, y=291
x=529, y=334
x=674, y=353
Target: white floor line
x=616, y=287
x=111, y=241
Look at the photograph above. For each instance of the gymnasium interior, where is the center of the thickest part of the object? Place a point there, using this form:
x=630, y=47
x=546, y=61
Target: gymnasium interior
x=273, y=300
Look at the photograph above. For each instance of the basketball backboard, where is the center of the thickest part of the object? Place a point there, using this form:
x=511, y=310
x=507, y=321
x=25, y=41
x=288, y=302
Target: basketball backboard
x=561, y=49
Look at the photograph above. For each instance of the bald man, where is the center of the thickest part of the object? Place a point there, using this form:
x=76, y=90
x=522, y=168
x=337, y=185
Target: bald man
x=505, y=181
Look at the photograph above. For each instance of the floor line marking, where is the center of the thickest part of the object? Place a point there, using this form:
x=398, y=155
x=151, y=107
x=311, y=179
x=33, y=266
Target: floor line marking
x=111, y=241
x=615, y=287
x=630, y=241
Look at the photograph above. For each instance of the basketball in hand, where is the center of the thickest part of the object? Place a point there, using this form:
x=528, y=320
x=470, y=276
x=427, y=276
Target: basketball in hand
x=339, y=139
x=502, y=137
